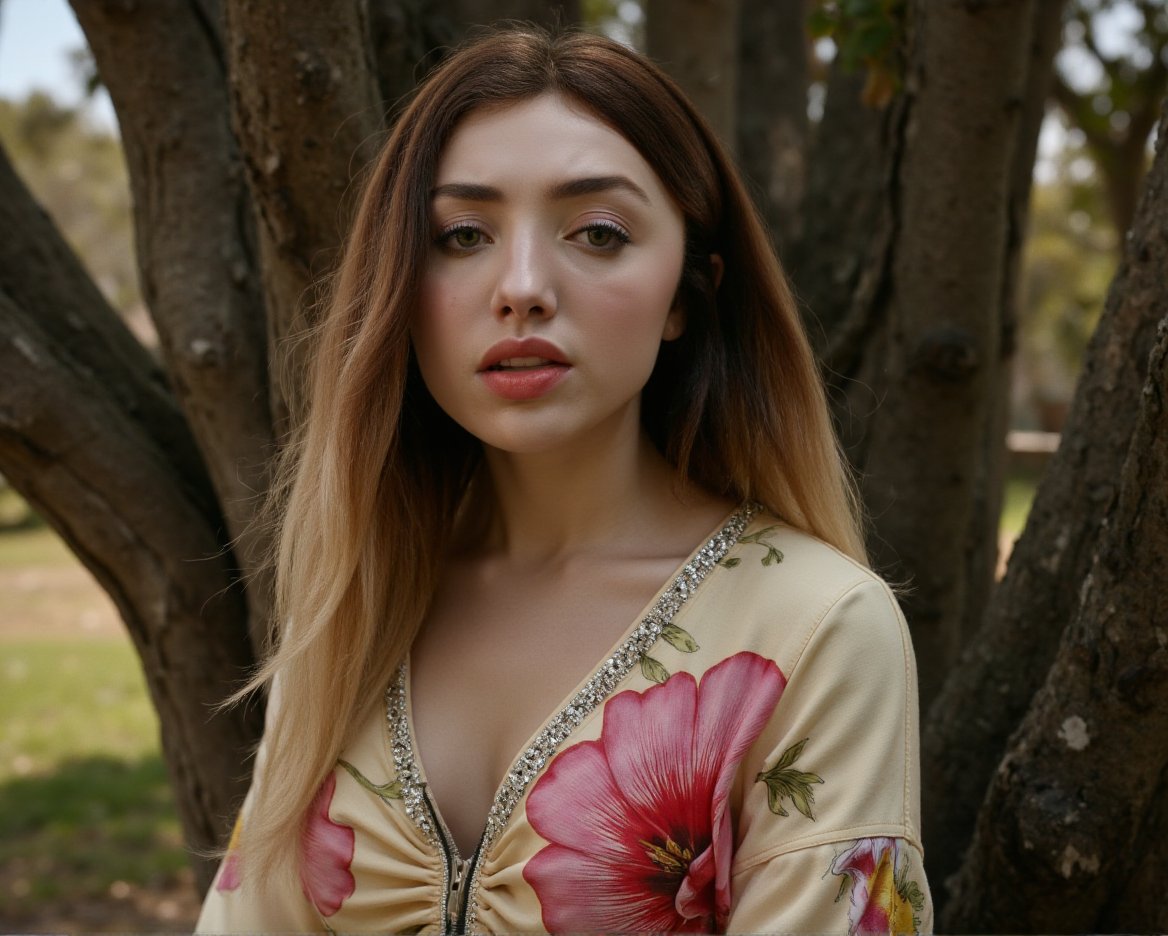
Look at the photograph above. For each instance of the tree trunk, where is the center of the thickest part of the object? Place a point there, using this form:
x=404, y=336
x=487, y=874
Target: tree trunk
x=406, y=37
x=1079, y=778
x=466, y=14
x=707, y=69
x=1136, y=903
x=195, y=243
x=847, y=226
x=967, y=727
x=409, y=37
x=932, y=348
x=91, y=438
x=308, y=116
x=772, y=121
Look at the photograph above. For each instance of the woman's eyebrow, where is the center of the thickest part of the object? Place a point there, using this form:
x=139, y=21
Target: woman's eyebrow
x=467, y=191
x=571, y=188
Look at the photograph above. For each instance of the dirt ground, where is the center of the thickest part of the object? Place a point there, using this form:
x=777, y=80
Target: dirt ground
x=126, y=909
x=61, y=600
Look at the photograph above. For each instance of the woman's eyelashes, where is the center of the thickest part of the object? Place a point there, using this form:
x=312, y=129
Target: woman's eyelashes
x=461, y=237
x=601, y=235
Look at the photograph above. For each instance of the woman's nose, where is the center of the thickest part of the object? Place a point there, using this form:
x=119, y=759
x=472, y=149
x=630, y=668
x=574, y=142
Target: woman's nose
x=525, y=284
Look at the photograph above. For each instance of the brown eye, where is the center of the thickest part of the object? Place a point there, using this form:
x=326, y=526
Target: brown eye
x=467, y=237
x=600, y=237
x=605, y=235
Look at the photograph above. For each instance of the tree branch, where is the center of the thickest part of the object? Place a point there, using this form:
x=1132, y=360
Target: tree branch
x=307, y=114
x=80, y=445
x=195, y=242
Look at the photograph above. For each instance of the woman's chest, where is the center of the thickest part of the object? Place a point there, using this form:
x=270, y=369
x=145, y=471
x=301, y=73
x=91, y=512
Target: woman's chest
x=496, y=659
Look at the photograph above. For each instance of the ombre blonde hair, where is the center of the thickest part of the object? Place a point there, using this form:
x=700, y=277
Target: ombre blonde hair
x=368, y=494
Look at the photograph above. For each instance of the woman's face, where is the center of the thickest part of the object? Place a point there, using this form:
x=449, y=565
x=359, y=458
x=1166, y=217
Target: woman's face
x=550, y=282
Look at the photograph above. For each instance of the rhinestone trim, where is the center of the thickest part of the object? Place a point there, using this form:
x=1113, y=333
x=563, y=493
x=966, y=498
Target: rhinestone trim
x=404, y=765
x=607, y=676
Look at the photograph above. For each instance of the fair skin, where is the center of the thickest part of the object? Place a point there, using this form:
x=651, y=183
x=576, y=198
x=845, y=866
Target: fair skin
x=549, y=226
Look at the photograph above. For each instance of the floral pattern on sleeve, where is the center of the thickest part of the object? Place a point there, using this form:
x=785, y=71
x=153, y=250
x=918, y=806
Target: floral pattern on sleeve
x=785, y=781
x=229, y=877
x=639, y=821
x=883, y=897
x=326, y=852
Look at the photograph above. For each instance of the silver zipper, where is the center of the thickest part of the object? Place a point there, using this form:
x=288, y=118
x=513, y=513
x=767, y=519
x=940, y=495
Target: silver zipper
x=456, y=871
x=455, y=894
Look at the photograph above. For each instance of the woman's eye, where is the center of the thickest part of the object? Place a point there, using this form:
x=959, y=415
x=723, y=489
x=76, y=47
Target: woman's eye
x=462, y=238
x=605, y=235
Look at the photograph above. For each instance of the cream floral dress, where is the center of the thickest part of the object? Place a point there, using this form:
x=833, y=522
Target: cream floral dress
x=745, y=759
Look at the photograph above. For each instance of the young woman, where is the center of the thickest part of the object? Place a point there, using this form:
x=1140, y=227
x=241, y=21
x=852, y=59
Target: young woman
x=578, y=634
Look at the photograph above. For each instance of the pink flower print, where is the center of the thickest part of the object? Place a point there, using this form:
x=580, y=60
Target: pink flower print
x=326, y=852
x=883, y=897
x=230, y=877
x=639, y=821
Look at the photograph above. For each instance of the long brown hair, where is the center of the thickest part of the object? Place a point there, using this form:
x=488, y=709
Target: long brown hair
x=369, y=493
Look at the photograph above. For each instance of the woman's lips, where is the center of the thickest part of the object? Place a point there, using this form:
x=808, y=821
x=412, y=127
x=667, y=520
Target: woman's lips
x=525, y=382
x=523, y=368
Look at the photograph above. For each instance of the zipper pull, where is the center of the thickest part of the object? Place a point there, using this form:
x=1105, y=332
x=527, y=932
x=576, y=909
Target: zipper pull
x=454, y=895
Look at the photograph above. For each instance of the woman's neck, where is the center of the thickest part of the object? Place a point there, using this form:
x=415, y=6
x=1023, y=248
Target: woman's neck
x=599, y=493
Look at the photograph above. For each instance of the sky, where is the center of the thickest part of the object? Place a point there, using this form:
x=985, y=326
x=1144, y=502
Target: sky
x=36, y=37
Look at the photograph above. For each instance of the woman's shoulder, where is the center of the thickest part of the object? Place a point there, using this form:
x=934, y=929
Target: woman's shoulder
x=773, y=560
x=778, y=587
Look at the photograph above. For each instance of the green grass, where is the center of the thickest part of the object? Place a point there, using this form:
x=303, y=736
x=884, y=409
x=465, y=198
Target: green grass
x=62, y=700
x=91, y=821
x=33, y=546
x=84, y=798
x=14, y=510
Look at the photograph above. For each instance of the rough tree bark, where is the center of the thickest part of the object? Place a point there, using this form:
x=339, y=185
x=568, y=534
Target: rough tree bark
x=1079, y=778
x=928, y=345
x=772, y=123
x=986, y=695
x=846, y=222
x=707, y=70
x=92, y=438
x=308, y=115
x=195, y=242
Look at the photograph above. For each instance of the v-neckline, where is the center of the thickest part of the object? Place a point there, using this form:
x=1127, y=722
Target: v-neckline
x=572, y=711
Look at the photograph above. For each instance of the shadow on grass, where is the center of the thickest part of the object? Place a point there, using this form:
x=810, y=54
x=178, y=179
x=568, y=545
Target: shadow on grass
x=87, y=828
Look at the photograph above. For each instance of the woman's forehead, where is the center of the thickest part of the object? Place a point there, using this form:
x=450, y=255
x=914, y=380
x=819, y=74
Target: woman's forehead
x=543, y=139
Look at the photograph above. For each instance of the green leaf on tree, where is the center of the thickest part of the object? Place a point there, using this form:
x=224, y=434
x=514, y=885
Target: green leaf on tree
x=783, y=781
x=679, y=639
x=820, y=23
x=387, y=791
x=652, y=669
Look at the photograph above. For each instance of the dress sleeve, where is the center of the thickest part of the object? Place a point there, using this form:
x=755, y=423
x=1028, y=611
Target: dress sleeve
x=827, y=837
x=238, y=903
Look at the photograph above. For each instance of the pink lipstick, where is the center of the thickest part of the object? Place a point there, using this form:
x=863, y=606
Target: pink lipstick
x=523, y=368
